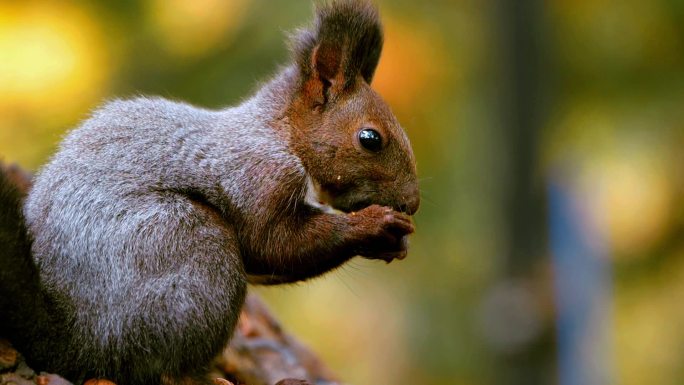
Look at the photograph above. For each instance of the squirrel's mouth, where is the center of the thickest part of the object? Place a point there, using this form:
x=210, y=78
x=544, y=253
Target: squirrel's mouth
x=322, y=199
x=350, y=200
x=360, y=205
x=345, y=202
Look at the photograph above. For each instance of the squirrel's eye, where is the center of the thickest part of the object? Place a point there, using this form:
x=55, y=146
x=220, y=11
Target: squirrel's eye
x=370, y=139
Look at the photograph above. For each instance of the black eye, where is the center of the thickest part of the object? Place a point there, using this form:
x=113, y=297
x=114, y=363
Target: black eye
x=370, y=139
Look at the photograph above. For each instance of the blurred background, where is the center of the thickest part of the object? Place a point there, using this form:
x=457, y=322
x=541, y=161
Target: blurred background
x=549, y=136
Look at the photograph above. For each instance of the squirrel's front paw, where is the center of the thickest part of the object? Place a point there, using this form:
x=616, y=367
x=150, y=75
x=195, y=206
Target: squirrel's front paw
x=381, y=233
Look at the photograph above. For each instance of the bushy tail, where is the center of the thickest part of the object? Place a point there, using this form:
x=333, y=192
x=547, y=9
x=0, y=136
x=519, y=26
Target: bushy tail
x=24, y=313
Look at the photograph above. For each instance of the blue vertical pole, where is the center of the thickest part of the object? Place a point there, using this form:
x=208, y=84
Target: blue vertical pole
x=582, y=281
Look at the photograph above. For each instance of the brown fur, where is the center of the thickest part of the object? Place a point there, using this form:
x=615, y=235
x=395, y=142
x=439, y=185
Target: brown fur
x=346, y=41
x=332, y=101
x=337, y=60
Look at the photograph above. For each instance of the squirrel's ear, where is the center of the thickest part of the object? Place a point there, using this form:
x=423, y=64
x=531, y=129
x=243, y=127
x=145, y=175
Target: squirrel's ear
x=345, y=42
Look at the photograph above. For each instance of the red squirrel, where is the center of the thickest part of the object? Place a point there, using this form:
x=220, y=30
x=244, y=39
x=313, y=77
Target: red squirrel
x=152, y=217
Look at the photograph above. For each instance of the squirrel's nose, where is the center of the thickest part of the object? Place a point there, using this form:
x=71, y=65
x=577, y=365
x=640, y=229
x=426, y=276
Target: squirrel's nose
x=410, y=201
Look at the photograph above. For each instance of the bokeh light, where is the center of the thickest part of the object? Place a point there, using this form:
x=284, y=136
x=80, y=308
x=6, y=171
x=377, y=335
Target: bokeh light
x=193, y=27
x=54, y=66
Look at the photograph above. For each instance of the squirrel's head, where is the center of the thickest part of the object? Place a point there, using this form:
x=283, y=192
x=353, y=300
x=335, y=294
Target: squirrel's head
x=349, y=140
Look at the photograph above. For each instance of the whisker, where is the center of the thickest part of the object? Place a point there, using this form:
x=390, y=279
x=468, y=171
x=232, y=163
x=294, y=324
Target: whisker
x=429, y=201
x=340, y=278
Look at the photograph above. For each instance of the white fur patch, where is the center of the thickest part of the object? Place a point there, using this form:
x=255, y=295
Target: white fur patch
x=315, y=197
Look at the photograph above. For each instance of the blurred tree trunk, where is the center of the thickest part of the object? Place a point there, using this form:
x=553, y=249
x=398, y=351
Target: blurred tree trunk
x=522, y=99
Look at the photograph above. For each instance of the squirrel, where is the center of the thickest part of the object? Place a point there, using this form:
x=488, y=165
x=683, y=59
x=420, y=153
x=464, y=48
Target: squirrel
x=147, y=224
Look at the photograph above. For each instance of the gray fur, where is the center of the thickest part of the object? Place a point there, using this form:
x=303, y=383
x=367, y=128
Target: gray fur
x=119, y=242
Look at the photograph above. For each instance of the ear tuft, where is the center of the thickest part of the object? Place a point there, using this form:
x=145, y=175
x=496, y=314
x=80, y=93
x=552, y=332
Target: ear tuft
x=346, y=40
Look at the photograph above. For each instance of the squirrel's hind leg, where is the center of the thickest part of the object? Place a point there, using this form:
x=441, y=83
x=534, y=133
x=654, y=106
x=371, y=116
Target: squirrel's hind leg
x=181, y=310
